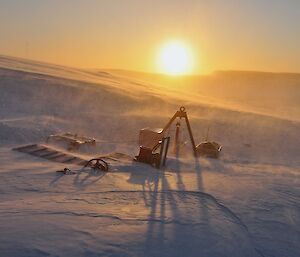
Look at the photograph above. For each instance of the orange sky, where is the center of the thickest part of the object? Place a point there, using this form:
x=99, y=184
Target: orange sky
x=127, y=34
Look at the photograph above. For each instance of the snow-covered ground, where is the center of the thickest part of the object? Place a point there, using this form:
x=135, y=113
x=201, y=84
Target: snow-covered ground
x=247, y=203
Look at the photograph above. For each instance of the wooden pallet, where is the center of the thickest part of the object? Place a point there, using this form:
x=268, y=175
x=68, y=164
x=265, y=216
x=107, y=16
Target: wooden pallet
x=49, y=153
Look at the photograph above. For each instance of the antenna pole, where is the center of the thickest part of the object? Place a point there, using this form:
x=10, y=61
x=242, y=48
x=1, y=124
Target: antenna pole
x=176, y=144
x=207, y=132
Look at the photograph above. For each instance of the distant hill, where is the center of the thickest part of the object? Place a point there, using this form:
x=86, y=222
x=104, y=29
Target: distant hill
x=275, y=94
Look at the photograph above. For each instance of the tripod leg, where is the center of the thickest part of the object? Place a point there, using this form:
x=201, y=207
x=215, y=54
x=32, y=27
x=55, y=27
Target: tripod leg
x=191, y=136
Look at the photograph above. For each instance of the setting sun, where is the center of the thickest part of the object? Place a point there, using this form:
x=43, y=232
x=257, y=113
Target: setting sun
x=175, y=58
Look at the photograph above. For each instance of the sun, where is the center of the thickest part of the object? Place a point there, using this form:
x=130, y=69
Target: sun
x=175, y=58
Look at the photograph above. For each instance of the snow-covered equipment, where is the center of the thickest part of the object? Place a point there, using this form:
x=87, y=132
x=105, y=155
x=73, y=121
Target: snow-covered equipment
x=209, y=149
x=58, y=155
x=71, y=141
x=97, y=164
x=52, y=154
x=66, y=171
x=151, y=140
x=155, y=156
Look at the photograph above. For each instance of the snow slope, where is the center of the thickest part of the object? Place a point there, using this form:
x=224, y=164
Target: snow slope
x=247, y=203
x=258, y=92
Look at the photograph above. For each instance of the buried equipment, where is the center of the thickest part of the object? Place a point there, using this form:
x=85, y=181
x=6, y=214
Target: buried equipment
x=55, y=155
x=73, y=141
x=209, y=149
x=66, y=171
x=152, y=156
x=154, y=145
x=97, y=164
x=151, y=140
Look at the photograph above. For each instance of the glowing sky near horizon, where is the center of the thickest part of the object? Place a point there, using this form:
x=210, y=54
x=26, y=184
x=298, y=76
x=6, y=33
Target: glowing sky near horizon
x=127, y=34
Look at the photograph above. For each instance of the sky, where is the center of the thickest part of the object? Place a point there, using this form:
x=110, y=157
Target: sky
x=261, y=35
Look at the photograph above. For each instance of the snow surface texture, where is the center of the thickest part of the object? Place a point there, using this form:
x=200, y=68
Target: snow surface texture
x=247, y=203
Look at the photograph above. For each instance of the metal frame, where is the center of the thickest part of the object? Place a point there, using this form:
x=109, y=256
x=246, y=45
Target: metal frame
x=182, y=114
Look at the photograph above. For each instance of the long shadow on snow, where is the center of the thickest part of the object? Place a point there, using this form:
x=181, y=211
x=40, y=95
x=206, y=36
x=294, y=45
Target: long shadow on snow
x=85, y=179
x=158, y=196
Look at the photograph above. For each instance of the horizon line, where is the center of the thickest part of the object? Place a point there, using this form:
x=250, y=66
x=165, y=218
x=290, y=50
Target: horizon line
x=149, y=72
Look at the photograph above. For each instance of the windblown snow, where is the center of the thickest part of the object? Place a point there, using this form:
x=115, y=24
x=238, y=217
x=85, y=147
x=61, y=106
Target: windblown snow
x=246, y=203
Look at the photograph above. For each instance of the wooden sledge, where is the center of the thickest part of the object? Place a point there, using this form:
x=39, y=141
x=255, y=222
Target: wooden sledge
x=52, y=154
x=57, y=155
